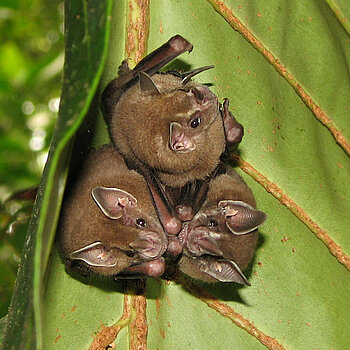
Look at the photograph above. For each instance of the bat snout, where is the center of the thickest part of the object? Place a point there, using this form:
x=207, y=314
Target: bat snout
x=148, y=245
x=199, y=242
x=179, y=142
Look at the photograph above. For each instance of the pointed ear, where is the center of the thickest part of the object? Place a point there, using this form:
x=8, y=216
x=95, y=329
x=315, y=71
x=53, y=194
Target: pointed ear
x=234, y=131
x=112, y=201
x=241, y=218
x=95, y=254
x=223, y=271
x=147, y=85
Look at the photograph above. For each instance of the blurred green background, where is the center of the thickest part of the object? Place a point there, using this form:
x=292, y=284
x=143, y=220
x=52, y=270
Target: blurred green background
x=31, y=62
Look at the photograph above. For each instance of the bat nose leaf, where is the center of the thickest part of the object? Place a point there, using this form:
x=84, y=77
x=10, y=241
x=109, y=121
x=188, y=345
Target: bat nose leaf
x=179, y=142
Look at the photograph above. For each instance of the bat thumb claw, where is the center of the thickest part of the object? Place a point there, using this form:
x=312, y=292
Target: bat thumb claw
x=173, y=226
x=153, y=268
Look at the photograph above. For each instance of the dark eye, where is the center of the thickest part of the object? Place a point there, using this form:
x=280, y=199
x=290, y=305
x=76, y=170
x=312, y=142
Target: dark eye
x=213, y=223
x=195, y=122
x=141, y=223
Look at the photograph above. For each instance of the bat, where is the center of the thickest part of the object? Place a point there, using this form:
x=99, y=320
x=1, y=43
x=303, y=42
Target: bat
x=108, y=223
x=174, y=47
x=170, y=125
x=219, y=242
x=173, y=128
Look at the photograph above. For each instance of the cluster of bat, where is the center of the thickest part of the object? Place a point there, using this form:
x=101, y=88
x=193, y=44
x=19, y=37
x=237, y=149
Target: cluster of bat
x=161, y=195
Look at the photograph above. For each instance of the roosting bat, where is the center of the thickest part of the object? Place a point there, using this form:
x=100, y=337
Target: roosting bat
x=172, y=128
x=219, y=242
x=108, y=223
x=166, y=122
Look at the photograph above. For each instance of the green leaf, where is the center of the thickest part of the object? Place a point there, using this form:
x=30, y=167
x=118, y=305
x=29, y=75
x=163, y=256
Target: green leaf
x=86, y=26
x=3, y=322
x=285, y=70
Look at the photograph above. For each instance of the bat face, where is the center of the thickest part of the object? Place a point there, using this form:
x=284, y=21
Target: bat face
x=108, y=223
x=220, y=240
x=130, y=221
x=173, y=128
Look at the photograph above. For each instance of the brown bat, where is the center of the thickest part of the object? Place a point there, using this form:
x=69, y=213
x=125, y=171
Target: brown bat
x=108, y=223
x=166, y=126
x=172, y=128
x=219, y=242
x=174, y=47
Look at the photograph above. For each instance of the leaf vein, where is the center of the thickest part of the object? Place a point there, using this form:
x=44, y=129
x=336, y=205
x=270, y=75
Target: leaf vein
x=318, y=112
x=137, y=29
x=228, y=312
x=340, y=16
x=299, y=212
x=138, y=326
x=107, y=335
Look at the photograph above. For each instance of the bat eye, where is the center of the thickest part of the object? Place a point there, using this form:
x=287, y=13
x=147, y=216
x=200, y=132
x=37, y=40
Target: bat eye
x=213, y=223
x=141, y=223
x=195, y=122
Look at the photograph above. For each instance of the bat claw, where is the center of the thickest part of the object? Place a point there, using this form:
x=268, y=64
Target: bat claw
x=173, y=226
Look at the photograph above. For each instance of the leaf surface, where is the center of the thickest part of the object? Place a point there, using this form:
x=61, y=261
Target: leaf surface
x=24, y=323
x=285, y=70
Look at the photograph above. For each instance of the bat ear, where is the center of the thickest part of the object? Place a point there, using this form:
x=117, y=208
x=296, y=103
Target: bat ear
x=241, y=218
x=147, y=85
x=234, y=131
x=95, y=254
x=112, y=201
x=124, y=68
x=223, y=271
